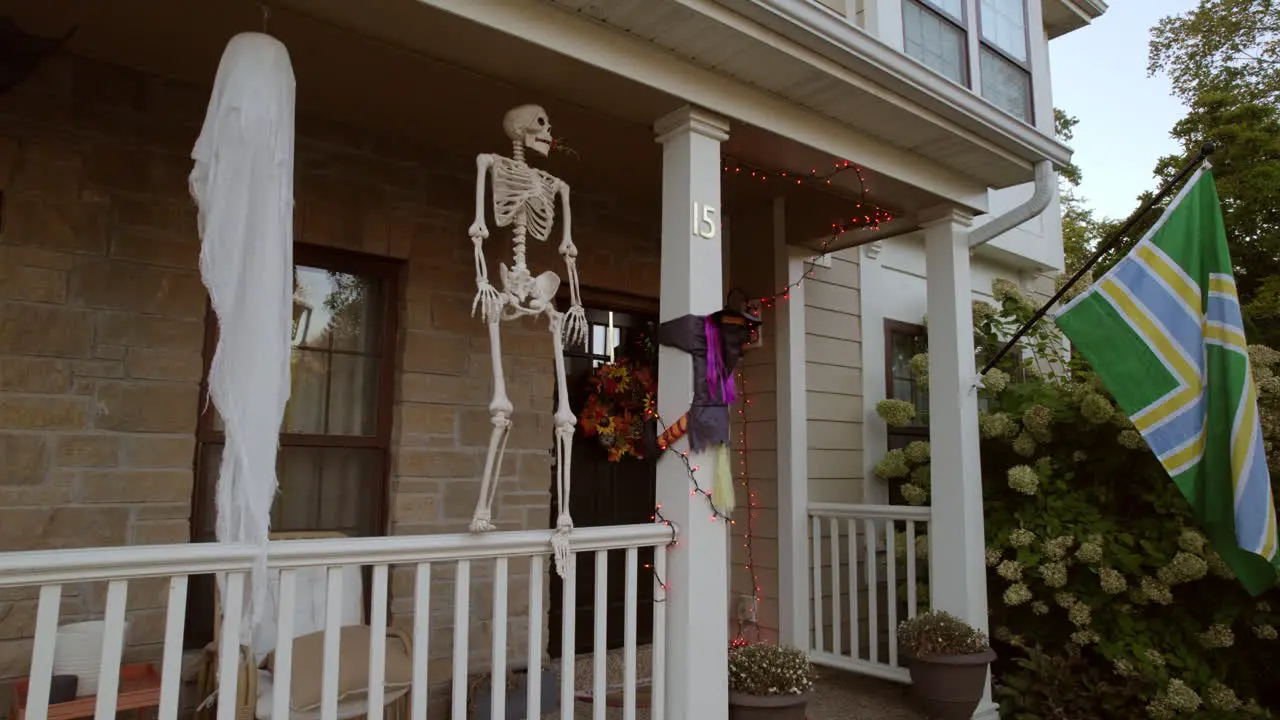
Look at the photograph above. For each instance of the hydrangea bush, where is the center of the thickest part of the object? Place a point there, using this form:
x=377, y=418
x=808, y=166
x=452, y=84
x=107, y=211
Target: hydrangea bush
x=766, y=669
x=1103, y=593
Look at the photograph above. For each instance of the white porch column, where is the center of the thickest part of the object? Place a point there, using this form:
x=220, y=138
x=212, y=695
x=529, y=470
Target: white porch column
x=793, y=441
x=957, y=567
x=698, y=569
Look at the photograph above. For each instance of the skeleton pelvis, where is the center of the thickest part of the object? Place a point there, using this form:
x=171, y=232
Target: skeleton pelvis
x=527, y=292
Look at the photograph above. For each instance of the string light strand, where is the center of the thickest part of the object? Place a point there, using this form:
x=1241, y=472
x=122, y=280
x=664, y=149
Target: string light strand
x=867, y=215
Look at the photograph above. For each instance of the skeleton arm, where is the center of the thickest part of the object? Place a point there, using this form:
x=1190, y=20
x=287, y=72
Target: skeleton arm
x=575, y=325
x=487, y=299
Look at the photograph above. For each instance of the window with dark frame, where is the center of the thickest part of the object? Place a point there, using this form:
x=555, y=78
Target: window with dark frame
x=335, y=441
x=904, y=341
x=1004, y=59
x=936, y=32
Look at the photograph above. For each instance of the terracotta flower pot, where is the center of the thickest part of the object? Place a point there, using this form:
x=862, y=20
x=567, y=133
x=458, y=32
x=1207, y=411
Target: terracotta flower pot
x=768, y=707
x=949, y=687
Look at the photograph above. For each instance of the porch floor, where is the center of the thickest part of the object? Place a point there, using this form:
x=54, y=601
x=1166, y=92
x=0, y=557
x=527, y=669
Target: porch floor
x=839, y=695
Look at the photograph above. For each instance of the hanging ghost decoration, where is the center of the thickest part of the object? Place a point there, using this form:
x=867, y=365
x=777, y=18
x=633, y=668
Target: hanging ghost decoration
x=242, y=183
x=715, y=343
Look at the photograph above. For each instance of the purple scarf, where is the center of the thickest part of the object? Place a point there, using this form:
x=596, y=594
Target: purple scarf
x=718, y=379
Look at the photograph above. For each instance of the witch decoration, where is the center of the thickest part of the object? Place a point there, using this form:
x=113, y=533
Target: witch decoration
x=715, y=342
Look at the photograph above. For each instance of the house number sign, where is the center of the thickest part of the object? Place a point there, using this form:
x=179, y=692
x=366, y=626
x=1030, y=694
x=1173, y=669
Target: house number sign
x=704, y=221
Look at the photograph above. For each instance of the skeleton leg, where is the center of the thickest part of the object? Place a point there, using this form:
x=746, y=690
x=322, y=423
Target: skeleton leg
x=564, y=424
x=500, y=411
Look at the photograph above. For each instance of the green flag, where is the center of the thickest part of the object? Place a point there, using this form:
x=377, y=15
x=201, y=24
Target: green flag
x=1164, y=331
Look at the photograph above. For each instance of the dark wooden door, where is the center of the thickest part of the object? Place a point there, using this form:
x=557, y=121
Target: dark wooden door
x=603, y=493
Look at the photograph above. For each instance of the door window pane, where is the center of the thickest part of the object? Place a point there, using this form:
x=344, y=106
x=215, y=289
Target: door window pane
x=1006, y=85
x=934, y=41
x=1004, y=25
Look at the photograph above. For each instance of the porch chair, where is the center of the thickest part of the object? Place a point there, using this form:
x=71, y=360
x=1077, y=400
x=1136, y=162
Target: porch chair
x=254, y=686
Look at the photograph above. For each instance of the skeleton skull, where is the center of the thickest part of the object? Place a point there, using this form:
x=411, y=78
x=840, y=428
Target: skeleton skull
x=529, y=124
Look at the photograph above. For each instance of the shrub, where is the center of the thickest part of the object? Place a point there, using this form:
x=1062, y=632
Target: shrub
x=1098, y=579
x=767, y=669
x=939, y=633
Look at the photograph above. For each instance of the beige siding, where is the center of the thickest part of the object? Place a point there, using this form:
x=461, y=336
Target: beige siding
x=833, y=347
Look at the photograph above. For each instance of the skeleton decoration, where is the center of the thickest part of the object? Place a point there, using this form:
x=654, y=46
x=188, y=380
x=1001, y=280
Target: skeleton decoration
x=524, y=199
x=715, y=342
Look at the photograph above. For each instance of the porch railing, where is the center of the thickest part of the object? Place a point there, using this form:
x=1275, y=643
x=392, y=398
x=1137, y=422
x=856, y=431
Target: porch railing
x=117, y=567
x=867, y=562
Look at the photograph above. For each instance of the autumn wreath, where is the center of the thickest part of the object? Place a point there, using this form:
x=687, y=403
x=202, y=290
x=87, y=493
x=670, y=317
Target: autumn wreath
x=622, y=395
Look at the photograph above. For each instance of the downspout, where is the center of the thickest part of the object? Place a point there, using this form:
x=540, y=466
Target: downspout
x=1046, y=184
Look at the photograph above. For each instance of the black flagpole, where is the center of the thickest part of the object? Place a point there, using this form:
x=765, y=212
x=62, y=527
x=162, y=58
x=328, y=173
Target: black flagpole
x=1205, y=151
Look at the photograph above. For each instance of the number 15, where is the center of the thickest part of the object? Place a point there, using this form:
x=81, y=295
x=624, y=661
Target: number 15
x=704, y=221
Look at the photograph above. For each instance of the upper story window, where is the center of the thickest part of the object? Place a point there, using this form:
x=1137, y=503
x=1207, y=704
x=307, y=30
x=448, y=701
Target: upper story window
x=936, y=32
x=1006, y=73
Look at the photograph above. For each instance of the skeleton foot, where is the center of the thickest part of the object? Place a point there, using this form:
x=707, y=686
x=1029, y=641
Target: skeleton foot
x=481, y=523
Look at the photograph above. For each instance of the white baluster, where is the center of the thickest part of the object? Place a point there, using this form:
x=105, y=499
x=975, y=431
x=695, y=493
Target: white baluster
x=42, y=652
x=629, y=637
x=911, y=568
x=816, y=563
x=377, y=643
x=891, y=586
x=332, y=645
x=855, y=629
x=834, y=525
x=229, y=645
x=599, y=680
x=658, y=691
x=568, y=646
x=533, y=702
x=282, y=673
x=873, y=603
x=461, y=628
x=112, y=647
x=421, y=638
x=498, y=658
x=174, y=623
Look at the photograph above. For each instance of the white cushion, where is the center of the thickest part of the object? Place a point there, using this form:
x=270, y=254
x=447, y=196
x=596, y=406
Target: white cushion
x=309, y=610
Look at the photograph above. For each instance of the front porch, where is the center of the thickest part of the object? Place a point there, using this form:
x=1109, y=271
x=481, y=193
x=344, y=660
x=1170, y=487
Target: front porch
x=110, y=453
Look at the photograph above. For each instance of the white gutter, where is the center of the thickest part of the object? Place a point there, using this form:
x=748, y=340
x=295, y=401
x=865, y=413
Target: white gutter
x=1046, y=183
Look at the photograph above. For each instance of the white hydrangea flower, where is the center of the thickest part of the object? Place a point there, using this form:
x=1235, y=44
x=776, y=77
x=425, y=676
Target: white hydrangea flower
x=1010, y=570
x=896, y=413
x=1017, y=594
x=1023, y=479
x=1113, y=581
x=914, y=494
x=1054, y=574
x=917, y=452
x=1020, y=537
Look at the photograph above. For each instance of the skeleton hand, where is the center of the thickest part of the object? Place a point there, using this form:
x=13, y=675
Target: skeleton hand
x=488, y=301
x=575, y=326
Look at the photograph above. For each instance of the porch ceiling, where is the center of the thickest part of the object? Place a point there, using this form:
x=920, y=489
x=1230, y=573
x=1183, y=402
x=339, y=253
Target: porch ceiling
x=409, y=71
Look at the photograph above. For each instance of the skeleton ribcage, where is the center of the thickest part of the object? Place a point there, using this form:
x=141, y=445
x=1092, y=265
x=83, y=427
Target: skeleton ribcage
x=523, y=195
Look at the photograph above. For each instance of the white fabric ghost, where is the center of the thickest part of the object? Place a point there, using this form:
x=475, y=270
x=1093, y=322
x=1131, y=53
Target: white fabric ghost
x=243, y=184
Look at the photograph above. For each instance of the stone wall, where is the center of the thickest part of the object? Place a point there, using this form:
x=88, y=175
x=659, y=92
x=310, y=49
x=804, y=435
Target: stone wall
x=102, y=325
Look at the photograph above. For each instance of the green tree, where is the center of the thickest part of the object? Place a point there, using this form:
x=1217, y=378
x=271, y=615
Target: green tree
x=1224, y=60
x=1079, y=227
x=1221, y=45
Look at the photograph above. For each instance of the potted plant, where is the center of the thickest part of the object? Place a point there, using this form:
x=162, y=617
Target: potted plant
x=769, y=682
x=949, y=662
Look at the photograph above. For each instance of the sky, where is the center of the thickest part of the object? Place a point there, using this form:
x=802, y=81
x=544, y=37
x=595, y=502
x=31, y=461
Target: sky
x=1100, y=76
